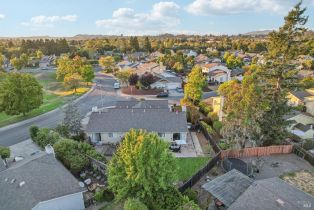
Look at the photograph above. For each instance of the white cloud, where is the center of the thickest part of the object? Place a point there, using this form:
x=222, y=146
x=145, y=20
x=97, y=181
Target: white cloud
x=48, y=21
x=163, y=17
x=221, y=7
x=2, y=16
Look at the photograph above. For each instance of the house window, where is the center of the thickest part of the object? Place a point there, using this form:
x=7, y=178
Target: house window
x=110, y=135
x=162, y=135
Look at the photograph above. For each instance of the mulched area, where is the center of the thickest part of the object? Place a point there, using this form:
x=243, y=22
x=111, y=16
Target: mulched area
x=207, y=149
x=134, y=91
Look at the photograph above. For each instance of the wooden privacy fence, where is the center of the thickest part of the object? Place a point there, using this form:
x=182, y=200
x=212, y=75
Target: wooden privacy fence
x=257, y=151
x=198, y=175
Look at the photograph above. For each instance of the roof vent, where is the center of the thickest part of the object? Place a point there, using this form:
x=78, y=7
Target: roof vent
x=280, y=202
x=12, y=181
x=21, y=184
x=144, y=110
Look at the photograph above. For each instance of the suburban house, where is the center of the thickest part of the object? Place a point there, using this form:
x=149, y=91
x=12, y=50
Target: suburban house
x=236, y=191
x=125, y=64
x=109, y=126
x=237, y=73
x=167, y=81
x=155, y=55
x=190, y=53
x=39, y=184
x=216, y=102
x=302, y=98
x=46, y=61
x=150, y=67
x=201, y=58
x=217, y=73
x=301, y=124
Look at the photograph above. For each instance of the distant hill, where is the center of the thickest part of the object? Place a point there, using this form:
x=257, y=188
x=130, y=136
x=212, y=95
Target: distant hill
x=258, y=33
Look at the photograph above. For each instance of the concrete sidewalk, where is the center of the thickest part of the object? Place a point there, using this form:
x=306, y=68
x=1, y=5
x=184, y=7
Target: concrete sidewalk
x=197, y=144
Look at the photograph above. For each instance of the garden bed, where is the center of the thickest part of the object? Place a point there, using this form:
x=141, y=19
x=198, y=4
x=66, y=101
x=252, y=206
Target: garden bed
x=131, y=90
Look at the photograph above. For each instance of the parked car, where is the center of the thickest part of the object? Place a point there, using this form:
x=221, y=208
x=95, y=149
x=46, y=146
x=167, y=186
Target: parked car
x=174, y=147
x=116, y=85
x=179, y=90
x=162, y=95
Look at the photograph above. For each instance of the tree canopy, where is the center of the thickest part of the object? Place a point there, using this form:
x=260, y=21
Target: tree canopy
x=19, y=93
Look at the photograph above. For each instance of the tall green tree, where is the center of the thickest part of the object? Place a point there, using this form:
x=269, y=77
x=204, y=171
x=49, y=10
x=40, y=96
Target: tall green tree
x=196, y=82
x=279, y=74
x=87, y=73
x=72, y=119
x=16, y=63
x=142, y=167
x=147, y=46
x=107, y=63
x=20, y=94
x=244, y=107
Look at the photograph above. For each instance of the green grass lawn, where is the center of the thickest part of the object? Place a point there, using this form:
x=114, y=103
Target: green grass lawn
x=50, y=102
x=55, y=95
x=189, y=166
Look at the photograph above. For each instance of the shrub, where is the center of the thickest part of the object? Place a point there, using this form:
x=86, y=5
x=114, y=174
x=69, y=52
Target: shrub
x=308, y=144
x=191, y=194
x=204, y=108
x=217, y=126
x=213, y=116
x=99, y=196
x=223, y=145
x=208, y=128
x=46, y=136
x=4, y=152
x=63, y=130
x=33, y=130
x=74, y=155
x=108, y=195
x=134, y=204
x=188, y=205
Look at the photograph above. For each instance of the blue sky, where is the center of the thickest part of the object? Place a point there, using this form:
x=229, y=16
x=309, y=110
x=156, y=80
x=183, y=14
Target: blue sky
x=143, y=17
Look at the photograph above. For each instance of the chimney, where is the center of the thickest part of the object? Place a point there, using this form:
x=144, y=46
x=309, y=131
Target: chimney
x=21, y=184
x=144, y=110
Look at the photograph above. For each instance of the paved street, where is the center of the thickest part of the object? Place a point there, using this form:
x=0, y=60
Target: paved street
x=103, y=95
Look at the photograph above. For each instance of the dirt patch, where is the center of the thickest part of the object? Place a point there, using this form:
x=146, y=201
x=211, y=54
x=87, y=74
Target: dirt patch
x=134, y=91
x=304, y=180
x=207, y=149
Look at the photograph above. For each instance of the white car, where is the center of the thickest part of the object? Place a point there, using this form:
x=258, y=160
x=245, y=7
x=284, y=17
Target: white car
x=116, y=85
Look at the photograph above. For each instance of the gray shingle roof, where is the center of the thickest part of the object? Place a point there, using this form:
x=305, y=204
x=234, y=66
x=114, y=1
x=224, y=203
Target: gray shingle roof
x=301, y=94
x=228, y=187
x=302, y=127
x=146, y=104
x=122, y=120
x=45, y=178
x=263, y=195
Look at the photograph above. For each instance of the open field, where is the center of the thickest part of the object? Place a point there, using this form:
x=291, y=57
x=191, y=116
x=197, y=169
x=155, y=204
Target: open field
x=55, y=95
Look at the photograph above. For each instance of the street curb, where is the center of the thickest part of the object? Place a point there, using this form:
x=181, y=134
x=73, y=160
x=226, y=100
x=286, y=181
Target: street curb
x=47, y=113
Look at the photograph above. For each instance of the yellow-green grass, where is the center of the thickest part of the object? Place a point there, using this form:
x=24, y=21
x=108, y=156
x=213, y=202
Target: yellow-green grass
x=55, y=95
x=50, y=102
x=188, y=166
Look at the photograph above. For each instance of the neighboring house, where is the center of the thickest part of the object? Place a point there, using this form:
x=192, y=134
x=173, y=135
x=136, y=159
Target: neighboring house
x=302, y=98
x=217, y=73
x=110, y=125
x=155, y=55
x=46, y=61
x=125, y=64
x=201, y=58
x=40, y=184
x=150, y=67
x=302, y=125
x=237, y=73
x=191, y=53
x=216, y=102
x=237, y=192
x=167, y=81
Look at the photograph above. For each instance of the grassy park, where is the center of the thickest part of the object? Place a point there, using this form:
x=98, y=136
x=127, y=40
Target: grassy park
x=55, y=95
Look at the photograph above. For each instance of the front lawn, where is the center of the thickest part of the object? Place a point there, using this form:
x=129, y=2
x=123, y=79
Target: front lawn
x=55, y=95
x=189, y=166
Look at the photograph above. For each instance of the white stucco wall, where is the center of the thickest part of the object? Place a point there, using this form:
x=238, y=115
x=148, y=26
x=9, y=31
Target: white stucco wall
x=116, y=138
x=68, y=202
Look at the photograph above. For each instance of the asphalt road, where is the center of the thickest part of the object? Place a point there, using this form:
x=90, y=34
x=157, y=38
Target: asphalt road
x=102, y=95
